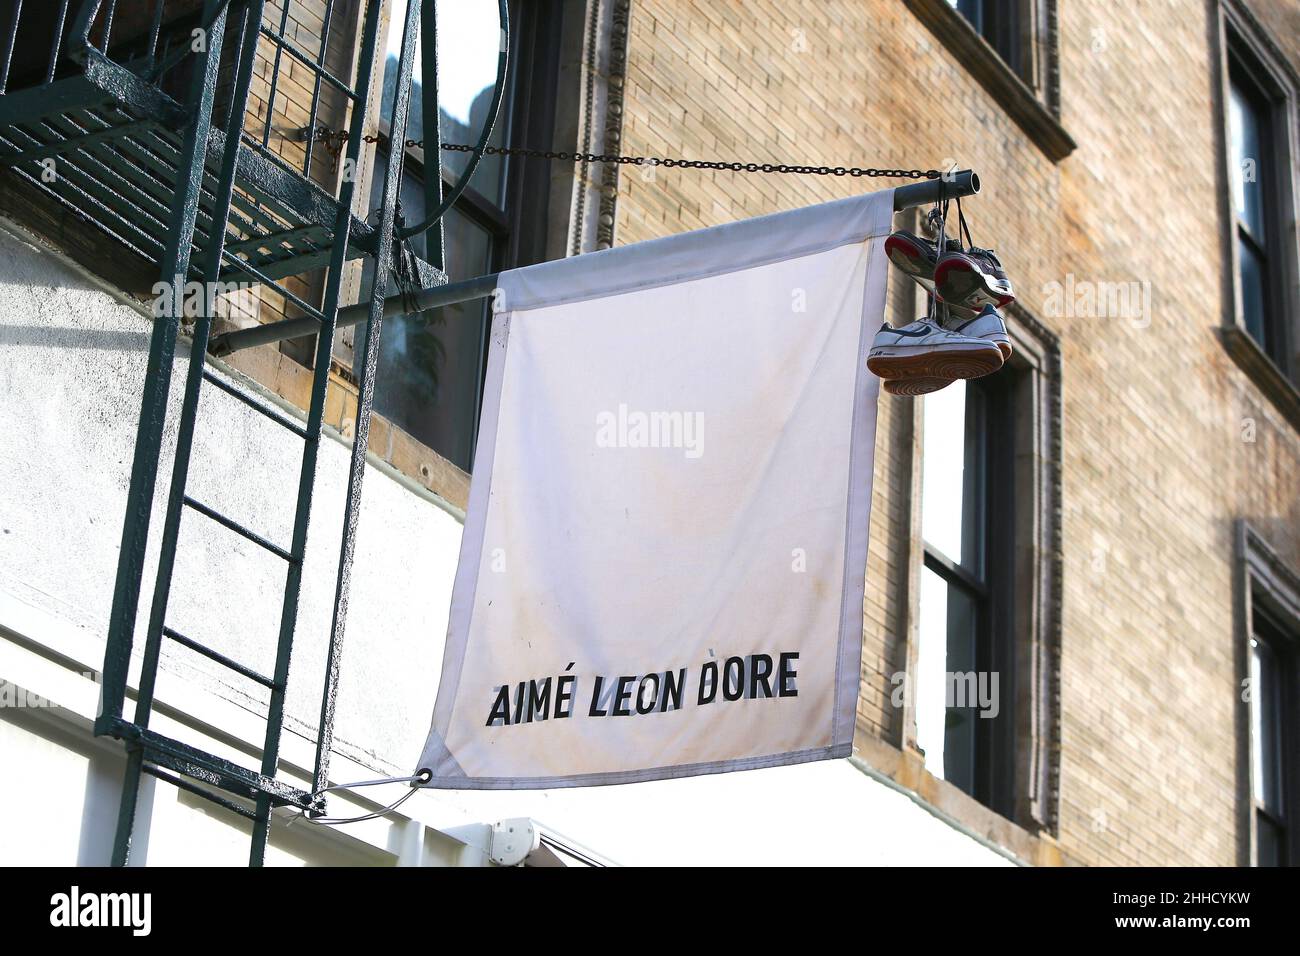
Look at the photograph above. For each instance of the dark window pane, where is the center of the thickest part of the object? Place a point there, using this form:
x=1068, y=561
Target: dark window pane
x=975, y=482
x=972, y=10
x=430, y=364
x=1246, y=118
x=469, y=247
x=946, y=714
x=998, y=22
x=1253, y=292
x=1270, y=842
x=962, y=712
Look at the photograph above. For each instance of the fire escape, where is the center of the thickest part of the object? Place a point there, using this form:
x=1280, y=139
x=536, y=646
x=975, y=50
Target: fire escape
x=133, y=117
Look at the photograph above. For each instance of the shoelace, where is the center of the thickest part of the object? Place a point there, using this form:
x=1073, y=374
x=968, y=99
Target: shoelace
x=971, y=248
x=938, y=312
x=985, y=252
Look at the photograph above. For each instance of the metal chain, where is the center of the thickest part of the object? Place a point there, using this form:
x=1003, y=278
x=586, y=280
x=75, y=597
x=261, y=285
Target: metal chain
x=335, y=141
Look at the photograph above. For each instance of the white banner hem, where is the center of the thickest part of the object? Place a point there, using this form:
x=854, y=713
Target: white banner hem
x=614, y=777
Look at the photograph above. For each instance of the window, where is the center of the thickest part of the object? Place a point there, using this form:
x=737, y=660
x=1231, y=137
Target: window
x=1259, y=90
x=1273, y=680
x=1023, y=74
x=1271, y=775
x=432, y=364
x=965, y=673
x=1254, y=157
x=984, y=644
x=997, y=21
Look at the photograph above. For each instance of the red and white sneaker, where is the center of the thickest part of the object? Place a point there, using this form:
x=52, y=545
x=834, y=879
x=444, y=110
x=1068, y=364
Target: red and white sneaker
x=916, y=256
x=913, y=256
x=972, y=280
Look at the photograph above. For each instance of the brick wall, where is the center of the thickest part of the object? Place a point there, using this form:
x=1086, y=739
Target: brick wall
x=1154, y=469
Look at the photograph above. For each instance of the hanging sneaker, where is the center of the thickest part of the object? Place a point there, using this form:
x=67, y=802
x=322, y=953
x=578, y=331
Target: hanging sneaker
x=972, y=280
x=924, y=349
x=916, y=256
x=987, y=325
x=912, y=387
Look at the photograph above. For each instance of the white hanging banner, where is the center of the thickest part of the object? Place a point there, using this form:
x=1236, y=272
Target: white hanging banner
x=664, y=557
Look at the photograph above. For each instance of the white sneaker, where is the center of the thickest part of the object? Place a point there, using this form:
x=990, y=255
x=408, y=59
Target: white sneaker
x=987, y=325
x=923, y=349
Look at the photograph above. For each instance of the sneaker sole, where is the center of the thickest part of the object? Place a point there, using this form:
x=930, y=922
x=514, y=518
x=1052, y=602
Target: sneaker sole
x=959, y=283
x=1003, y=346
x=894, y=362
x=912, y=387
x=911, y=261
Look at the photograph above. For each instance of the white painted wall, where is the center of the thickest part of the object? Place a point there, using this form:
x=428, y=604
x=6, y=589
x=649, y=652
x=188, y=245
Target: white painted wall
x=72, y=358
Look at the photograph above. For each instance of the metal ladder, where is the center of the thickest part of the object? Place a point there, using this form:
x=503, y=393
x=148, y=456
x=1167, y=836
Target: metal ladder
x=216, y=172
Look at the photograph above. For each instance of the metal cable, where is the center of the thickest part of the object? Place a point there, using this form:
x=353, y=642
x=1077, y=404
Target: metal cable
x=424, y=776
x=337, y=821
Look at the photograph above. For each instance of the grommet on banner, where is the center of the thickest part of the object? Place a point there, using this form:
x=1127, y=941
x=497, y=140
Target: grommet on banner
x=423, y=776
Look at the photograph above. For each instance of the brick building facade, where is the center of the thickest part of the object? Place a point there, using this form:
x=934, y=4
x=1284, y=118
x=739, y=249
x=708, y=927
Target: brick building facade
x=1107, y=164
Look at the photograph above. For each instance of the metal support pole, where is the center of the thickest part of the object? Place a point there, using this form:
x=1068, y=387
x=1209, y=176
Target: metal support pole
x=962, y=184
x=476, y=288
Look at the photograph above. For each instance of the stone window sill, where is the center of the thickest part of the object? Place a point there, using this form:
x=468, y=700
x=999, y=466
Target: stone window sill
x=1261, y=370
x=905, y=771
x=998, y=79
